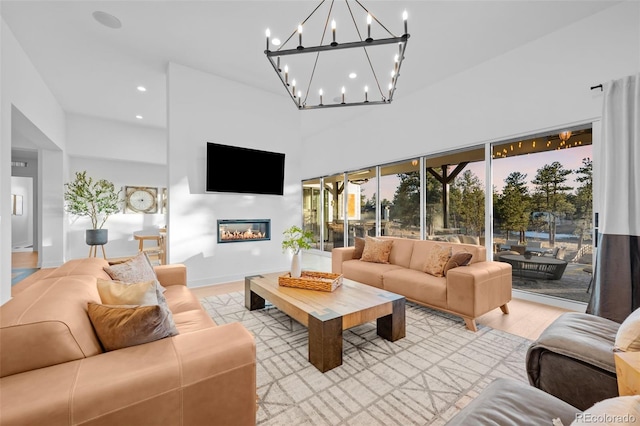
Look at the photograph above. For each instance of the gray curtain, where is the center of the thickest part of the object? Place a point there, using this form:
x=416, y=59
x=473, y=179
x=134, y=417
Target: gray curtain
x=616, y=288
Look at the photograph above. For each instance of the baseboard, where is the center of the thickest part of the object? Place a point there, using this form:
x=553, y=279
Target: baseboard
x=558, y=302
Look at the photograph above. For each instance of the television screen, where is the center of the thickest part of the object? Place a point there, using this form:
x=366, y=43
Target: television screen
x=244, y=170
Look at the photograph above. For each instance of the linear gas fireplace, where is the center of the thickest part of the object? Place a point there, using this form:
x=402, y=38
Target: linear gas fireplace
x=241, y=230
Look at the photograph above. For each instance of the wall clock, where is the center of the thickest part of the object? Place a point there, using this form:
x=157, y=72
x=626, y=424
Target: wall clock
x=141, y=199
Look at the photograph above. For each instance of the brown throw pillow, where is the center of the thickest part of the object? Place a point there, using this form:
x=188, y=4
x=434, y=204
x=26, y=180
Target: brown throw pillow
x=119, y=327
x=376, y=250
x=357, y=253
x=436, y=259
x=461, y=258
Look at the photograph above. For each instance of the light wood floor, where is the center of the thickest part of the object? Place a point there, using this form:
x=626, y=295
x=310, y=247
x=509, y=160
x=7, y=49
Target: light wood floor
x=527, y=319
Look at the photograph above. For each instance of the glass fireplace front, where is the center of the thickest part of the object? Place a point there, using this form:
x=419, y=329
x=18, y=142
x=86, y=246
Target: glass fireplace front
x=242, y=230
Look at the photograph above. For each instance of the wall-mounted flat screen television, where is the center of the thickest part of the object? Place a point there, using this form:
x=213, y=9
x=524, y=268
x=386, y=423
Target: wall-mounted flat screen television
x=244, y=170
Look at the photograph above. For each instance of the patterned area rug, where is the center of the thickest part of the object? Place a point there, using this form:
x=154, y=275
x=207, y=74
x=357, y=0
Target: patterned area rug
x=423, y=379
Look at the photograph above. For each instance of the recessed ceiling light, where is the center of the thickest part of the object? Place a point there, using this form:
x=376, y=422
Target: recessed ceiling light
x=276, y=42
x=107, y=19
x=353, y=75
x=139, y=117
x=141, y=89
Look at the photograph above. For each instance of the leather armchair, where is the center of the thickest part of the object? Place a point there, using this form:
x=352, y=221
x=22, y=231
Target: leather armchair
x=573, y=359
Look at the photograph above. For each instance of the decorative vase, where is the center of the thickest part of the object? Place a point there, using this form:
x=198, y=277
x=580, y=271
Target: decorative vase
x=296, y=265
x=96, y=237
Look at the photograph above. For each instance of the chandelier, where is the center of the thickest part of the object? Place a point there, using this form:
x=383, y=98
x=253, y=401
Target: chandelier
x=317, y=76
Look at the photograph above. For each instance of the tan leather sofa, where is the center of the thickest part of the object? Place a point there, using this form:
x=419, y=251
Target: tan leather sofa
x=468, y=291
x=54, y=372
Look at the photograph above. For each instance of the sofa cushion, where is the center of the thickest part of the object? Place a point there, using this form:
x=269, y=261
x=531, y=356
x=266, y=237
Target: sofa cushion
x=417, y=286
x=401, y=251
x=48, y=322
x=436, y=260
x=93, y=266
x=461, y=258
x=123, y=326
x=367, y=272
x=628, y=335
x=376, y=250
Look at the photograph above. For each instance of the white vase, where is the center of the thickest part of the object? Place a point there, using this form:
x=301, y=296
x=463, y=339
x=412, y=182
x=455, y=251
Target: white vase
x=296, y=265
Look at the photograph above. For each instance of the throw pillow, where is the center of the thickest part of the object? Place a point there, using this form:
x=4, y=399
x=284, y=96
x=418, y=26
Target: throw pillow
x=461, y=258
x=359, y=244
x=376, y=250
x=135, y=270
x=119, y=327
x=621, y=410
x=436, y=260
x=628, y=335
x=119, y=293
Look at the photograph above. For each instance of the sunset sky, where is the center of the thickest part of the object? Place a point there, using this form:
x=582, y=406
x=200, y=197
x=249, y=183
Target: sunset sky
x=502, y=167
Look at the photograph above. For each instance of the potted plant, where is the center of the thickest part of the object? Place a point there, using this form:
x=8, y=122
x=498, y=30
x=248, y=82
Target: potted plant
x=296, y=239
x=97, y=199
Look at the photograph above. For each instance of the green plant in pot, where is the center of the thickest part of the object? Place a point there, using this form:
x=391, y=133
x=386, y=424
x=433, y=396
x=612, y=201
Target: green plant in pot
x=95, y=198
x=295, y=240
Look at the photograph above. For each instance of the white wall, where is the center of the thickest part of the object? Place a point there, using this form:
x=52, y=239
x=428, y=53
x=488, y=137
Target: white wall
x=22, y=88
x=125, y=154
x=115, y=140
x=542, y=85
x=205, y=108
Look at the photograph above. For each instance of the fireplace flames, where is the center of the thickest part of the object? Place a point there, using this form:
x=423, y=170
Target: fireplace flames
x=249, y=234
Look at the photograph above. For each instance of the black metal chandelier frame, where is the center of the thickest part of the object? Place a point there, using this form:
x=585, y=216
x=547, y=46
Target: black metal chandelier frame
x=274, y=59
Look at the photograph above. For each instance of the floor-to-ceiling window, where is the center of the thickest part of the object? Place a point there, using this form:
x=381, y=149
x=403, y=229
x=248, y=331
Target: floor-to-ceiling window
x=312, y=210
x=361, y=203
x=400, y=199
x=543, y=212
x=334, y=211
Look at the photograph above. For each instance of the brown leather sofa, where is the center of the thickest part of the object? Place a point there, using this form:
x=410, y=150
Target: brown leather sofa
x=53, y=370
x=467, y=291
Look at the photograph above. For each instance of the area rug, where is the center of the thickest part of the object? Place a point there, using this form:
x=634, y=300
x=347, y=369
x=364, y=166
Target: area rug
x=19, y=274
x=422, y=379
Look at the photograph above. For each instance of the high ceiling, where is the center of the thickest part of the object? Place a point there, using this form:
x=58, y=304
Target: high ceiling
x=94, y=70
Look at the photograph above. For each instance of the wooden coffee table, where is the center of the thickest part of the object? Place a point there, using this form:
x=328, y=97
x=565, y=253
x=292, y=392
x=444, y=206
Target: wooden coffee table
x=327, y=314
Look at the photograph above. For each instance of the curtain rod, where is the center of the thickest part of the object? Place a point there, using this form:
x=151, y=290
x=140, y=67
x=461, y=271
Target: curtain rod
x=599, y=86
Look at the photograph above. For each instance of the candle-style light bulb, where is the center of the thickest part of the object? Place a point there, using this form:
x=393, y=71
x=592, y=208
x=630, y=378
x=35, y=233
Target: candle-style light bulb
x=320, y=92
x=286, y=74
x=299, y=35
x=368, y=26
x=390, y=88
x=293, y=87
x=343, y=94
x=405, y=15
x=299, y=97
x=333, y=30
x=366, y=93
x=268, y=33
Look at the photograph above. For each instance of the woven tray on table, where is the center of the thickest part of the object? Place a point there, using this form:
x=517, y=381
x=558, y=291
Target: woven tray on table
x=312, y=280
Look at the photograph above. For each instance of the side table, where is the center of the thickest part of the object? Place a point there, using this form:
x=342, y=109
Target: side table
x=628, y=372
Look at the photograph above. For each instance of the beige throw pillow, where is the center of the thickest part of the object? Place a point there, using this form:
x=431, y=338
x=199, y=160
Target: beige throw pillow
x=628, y=335
x=621, y=410
x=119, y=327
x=135, y=270
x=436, y=260
x=461, y=258
x=376, y=250
x=119, y=293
